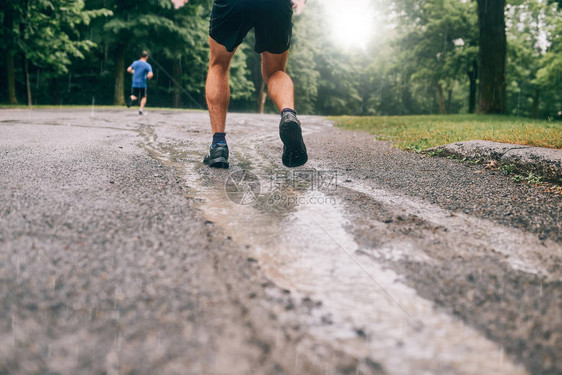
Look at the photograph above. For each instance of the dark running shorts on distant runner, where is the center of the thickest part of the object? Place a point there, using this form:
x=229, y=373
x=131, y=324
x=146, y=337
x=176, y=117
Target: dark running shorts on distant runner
x=139, y=92
x=232, y=19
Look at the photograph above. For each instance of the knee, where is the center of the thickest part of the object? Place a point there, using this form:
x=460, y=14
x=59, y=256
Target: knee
x=219, y=65
x=268, y=74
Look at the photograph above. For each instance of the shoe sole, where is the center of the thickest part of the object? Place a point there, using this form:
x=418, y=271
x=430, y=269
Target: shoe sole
x=218, y=163
x=294, y=152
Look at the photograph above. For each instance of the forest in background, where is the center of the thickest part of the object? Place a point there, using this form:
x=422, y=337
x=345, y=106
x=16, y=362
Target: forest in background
x=424, y=57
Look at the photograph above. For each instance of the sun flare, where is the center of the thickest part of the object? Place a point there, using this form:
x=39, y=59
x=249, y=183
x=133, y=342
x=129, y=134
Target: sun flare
x=351, y=22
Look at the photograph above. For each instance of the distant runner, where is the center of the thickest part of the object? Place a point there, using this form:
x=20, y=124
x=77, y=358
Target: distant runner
x=141, y=70
x=230, y=22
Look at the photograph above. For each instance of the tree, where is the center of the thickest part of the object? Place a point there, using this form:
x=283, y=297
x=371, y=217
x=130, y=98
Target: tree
x=44, y=34
x=436, y=40
x=549, y=75
x=424, y=58
x=152, y=25
x=491, y=56
x=524, y=54
x=11, y=15
x=184, y=44
x=337, y=77
x=253, y=66
x=302, y=65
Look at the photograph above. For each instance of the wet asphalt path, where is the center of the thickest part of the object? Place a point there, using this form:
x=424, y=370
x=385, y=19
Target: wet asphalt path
x=121, y=253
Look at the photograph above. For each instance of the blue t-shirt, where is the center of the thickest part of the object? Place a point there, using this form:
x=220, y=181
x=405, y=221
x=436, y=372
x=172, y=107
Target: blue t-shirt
x=141, y=69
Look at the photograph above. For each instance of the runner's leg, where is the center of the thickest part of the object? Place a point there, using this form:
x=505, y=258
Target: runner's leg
x=142, y=103
x=279, y=84
x=217, y=90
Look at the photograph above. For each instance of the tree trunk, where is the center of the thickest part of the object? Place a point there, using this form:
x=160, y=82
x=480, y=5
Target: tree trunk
x=53, y=87
x=176, y=73
x=491, y=56
x=262, y=95
x=440, y=99
x=119, y=97
x=406, y=97
x=449, y=100
x=27, y=83
x=472, y=75
x=536, y=97
x=11, y=75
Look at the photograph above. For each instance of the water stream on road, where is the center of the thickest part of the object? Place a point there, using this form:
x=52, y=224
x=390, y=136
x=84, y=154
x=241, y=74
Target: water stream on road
x=301, y=244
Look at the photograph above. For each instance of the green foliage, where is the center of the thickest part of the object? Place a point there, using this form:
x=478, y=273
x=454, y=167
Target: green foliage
x=178, y=38
x=326, y=77
x=45, y=32
x=436, y=43
x=533, y=31
x=419, y=61
x=549, y=74
x=507, y=169
x=337, y=85
x=530, y=178
x=533, y=179
x=241, y=86
x=302, y=66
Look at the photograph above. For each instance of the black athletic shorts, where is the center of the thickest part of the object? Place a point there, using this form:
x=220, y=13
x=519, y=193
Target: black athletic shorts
x=232, y=19
x=139, y=92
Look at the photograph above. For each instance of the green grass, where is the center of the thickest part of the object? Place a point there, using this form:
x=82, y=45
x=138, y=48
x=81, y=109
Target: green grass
x=421, y=132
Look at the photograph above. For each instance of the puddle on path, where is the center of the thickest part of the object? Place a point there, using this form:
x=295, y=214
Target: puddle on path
x=361, y=308
x=371, y=313
x=468, y=235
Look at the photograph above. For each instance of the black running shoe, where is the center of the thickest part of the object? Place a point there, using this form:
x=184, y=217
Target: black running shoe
x=217, y=156
x=128, y=101
x=294, y=150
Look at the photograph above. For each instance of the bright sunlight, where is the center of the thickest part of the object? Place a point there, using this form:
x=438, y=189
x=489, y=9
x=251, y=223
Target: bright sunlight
x=351, y=22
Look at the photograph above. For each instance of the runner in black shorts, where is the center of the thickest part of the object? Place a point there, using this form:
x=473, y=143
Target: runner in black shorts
x=272, y=21
x=139, y=92
x=141, y=71
x=232, y=19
